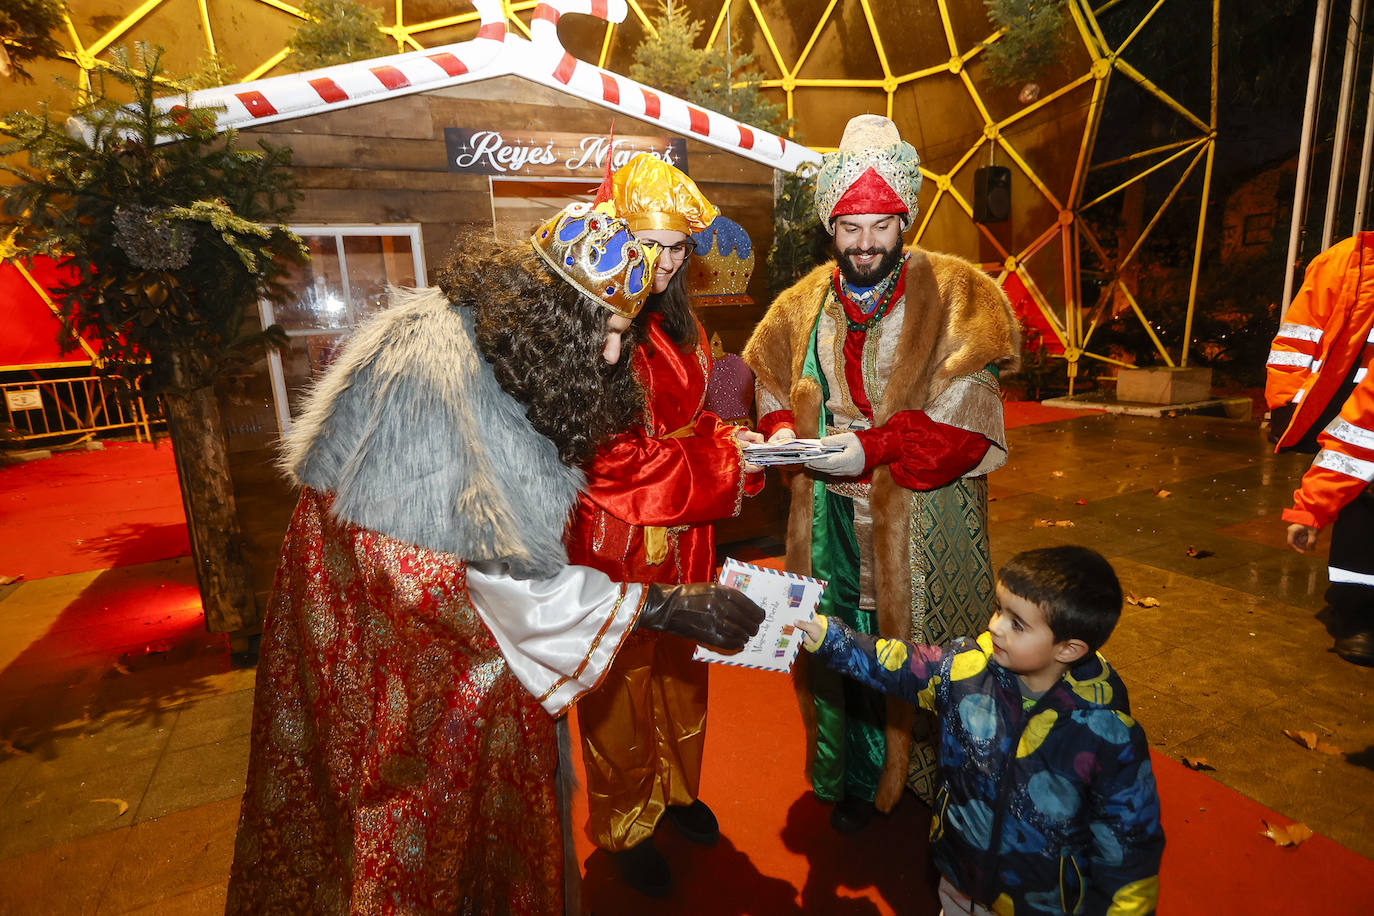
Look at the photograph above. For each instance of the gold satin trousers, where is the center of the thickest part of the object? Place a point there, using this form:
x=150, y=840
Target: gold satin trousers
x=643, y=733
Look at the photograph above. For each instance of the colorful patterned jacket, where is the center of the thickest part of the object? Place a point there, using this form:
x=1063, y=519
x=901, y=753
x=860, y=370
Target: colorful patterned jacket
x=1065, y=788
x=1327, y=338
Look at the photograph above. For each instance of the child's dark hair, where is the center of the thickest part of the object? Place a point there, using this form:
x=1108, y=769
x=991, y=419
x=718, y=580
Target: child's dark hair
x=1075, y=586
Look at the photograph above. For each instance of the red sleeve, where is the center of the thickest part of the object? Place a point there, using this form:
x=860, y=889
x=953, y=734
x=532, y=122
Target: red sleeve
x=646, y=481
x=921, y=453
x=775, y=421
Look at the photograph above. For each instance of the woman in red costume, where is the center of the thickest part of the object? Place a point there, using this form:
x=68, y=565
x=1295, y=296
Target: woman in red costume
x=645, y=516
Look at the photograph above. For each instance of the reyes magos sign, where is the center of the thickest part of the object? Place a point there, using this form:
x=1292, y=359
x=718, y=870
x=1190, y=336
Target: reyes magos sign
x=527, y=154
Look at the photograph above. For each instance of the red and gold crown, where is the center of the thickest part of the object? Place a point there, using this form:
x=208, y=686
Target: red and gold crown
x=595, y=252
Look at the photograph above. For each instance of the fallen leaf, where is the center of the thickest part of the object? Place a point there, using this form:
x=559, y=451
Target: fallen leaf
x=1056, y=473
x=1163, y=494
x=1080, y=502
x=1050, y=523
x=119, y=803
x=1197, y=763
x=6, y=580
x=1198, y=554
x=1294, y=834
x=1312, y=742
x=1306, y=739
x=1139, y=601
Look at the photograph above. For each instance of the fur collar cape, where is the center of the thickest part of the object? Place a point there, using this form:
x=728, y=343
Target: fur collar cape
x=957, y=321
x=416, y=439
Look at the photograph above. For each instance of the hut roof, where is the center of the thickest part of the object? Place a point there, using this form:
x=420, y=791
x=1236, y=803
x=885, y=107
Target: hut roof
x=493, y=53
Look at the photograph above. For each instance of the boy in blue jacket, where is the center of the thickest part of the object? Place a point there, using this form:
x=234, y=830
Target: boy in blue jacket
x=1049, y=802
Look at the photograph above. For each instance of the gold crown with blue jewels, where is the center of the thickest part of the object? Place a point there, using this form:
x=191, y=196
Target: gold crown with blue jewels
x=595, y=252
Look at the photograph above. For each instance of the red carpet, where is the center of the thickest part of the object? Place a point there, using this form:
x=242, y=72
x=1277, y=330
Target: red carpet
x=79, y=511
x=777, y=854
x=1027, y=413
x=1216, y=861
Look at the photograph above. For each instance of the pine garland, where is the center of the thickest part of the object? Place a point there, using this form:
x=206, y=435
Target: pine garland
x=26, y=28
x=336, y=32
x=1035, y=39
x=724, y=82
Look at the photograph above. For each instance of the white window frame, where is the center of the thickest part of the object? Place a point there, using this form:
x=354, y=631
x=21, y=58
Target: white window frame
x=275, y=371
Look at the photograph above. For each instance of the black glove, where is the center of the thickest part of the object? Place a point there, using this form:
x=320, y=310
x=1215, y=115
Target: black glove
x=712, y=614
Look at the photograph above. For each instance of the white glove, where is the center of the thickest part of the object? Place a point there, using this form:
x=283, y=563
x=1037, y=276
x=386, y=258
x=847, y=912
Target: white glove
x=847, y=463
x=784, y=434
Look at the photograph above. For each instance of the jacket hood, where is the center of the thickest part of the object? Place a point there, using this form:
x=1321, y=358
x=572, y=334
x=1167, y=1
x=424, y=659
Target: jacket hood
x=1092, y=681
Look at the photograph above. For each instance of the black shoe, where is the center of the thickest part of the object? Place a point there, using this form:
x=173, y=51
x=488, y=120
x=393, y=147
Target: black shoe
x=1357, y=648
x=850, y=815
x=695, y=822
x=644, y=869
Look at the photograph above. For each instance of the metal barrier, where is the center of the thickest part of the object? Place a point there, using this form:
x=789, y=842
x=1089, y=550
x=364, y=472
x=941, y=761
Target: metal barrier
x=39, y=409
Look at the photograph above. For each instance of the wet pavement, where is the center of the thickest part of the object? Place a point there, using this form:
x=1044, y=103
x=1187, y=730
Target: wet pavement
x=124, y=727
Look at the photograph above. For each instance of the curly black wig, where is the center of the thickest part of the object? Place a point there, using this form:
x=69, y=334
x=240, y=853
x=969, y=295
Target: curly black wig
x=544, y=339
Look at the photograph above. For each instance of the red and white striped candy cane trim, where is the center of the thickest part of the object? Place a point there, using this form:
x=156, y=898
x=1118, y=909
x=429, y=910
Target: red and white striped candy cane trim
x=633, y=98
x=299, y=94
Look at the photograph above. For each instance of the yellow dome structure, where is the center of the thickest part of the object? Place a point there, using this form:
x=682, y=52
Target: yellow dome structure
x=918, y=63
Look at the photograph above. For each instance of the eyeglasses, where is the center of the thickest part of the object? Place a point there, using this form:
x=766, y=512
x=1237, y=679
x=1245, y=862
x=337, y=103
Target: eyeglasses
x=677, y=252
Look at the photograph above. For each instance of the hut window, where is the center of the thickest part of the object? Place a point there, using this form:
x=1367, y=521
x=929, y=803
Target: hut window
x=346, y=279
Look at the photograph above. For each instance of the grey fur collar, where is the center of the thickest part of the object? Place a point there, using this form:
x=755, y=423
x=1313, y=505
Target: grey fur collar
x=411, y=432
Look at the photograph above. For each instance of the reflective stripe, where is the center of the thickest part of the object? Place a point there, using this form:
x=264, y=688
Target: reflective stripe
x=1346, y=575
x=1299, y=331
x=1346, y=431
x=1370, y=338
x=1316, y=365
x=1297, y=398
x=1360, y=374
x=1289, y=358
x=1344, y=464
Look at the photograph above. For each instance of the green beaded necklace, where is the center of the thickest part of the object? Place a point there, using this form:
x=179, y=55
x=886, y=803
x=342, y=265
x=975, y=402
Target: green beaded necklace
x=884, y=300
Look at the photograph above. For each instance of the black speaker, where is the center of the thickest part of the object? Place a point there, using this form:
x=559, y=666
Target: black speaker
x=992, y=194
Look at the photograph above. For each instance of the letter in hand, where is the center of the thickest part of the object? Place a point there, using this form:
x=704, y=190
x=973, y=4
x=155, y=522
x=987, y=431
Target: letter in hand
x=846, y=463
x=749, y=437
x=715, y=615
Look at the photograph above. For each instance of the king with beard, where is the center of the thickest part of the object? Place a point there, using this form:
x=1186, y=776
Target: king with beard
x=892, y=353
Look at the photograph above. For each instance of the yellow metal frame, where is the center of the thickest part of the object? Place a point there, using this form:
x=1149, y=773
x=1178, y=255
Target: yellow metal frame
x=748, y=19
x=1066, y=320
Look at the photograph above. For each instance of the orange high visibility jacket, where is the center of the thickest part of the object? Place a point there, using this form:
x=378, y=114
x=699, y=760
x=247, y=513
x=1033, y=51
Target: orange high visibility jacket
x=1327, y=332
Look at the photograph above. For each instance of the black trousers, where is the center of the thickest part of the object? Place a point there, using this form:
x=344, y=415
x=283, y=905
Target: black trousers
x=1352, y=558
